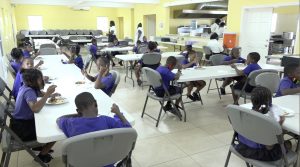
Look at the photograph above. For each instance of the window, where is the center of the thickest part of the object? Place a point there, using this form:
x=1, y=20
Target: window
x=35, y=22
x=102, y=24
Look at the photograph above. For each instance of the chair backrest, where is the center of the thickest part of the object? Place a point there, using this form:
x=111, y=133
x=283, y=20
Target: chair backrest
x=79, y=32
x=48, y=51
x=24, y=32
x=98, y=148
x=151, y=59
x=254, y=126
x=20, y=36
x=153, y=77
x=123, y=43
x=48, y=45
x=143, y=49
x=252, y=76
x=42, y=32
x=72, y=32
x=64, y=32
x=128, y=40
x=33, y=32
x=116, y=76
x=50, y=32
x=268, y=80
x=86, y=32
x=207, y=50
x=99, y=32
x=217, y=59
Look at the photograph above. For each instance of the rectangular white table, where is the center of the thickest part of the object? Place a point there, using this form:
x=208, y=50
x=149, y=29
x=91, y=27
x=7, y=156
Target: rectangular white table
x=66, y=75
x=39, y=42
x=135, y=57
x=177, y=44
x=126, y=48
x=82, y=40
x=68, y=36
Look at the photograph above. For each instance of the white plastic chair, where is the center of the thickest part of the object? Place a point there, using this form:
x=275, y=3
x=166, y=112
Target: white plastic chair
x=268, y=80
x=260, y=129
x=48, y=51
x=116, y=76
x=98, y=148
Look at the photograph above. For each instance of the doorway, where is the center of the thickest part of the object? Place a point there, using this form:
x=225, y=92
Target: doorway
x=121, y=27
x=150, y=25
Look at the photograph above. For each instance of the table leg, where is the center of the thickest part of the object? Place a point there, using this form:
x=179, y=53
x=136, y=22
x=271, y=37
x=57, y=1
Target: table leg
x=127, y=76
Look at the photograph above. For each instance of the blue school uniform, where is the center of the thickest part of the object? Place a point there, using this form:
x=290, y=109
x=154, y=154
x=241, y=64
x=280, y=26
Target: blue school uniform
x=229, y=58
x=251, y=67
x=16, y=65
x=22, y=110
x=93, y=50
x=108, y=81
x=79, y=62
x=285, y=83
x=186, y=61
x=17, y=84
x=26, y=54
x=240, y=84
x=167, y=76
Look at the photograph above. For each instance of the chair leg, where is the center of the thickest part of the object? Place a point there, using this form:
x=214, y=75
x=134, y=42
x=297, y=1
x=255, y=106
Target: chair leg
x=161, y=107
x=208, y=86
x=200, y=98
x=227, y=159
x=248, y=165
x=7, y=159
x=144, y=107
x=218, y=88
x=183, y=109
x=3, y=158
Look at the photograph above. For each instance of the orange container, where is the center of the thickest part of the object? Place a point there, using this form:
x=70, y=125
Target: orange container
x=229, y=40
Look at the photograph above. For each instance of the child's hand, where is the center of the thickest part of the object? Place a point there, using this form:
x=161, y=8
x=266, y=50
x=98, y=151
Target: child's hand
x=40, y=62
x=51, y=90
x=281, y=120
x=233, y=65
x=115, y=109
x=55, y=95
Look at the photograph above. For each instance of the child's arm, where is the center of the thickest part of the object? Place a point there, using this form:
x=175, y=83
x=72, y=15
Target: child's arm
x=290, y=91
x=89, y=77
x=115, y=109
x=39, y=64
x=98, y=82
x=239, y=72
x=37, y=106
x=67, y=116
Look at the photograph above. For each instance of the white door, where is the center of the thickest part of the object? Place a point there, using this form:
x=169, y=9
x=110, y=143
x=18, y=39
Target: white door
x=256, y=31
x=151, y=26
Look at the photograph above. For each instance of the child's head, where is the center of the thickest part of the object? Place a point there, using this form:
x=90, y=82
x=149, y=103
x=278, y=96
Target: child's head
x=103, y=62
x=75, y=50
x=33, y=78
x=235, y=52
x=292, y=70
x=139, y=25
x=218, y=21
x=188, y=48
x=171, y=62
x=222, y=24
x=16, y=54
x=214, y=36
x=28, y=47
x=138, y=42
x=152, y=46
x=94, y=41
x=27, y=63
x=253, y=57
x=144, y=39
x=111, y=23
x=86, y=104
x=261, y=98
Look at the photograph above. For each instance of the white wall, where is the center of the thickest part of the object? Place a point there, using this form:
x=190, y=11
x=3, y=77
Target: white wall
x=286, y=23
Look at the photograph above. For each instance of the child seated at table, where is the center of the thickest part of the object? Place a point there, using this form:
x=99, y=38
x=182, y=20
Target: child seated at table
x=152, y=47
x=26, y=64
x=252, y=60
x=75, y=57
x=192, y=61
x=87, y=120
x=104, y=79
x=167, y=76
x=288, y=85
x=27, y=50
x=261, y=99
x=23, y=123
x=17, y=56
x=235, y=57
x=93, y=49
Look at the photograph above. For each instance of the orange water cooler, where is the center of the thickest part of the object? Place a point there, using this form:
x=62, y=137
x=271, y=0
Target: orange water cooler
x=229, y=40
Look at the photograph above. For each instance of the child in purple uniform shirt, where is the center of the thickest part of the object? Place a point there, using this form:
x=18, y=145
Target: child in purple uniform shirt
x=27, y=104
x=288, y=85
x=28, y=50
x=26, y=64
x=75, y=57
x=93, y=48
x=189, y=62
x=17, y=56
x=87, y=120
x=167, y=76
x=103, y=80
x=252, y=65
x=261, y=99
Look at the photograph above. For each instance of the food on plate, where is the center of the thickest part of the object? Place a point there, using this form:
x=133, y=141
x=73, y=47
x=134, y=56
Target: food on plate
x=56, y=100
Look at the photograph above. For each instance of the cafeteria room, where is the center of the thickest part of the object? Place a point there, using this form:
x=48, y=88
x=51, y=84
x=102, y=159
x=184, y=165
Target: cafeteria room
x=149, y=83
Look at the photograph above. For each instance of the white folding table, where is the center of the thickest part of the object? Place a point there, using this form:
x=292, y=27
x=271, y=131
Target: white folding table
x=65, y=76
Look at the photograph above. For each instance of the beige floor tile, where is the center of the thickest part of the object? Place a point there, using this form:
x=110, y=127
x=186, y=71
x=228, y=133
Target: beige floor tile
x=180, y=162
x=155, y=150
x=216, y=158
x=193, y=141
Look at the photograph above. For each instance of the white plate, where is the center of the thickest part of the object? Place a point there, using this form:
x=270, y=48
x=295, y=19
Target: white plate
x=59, y=100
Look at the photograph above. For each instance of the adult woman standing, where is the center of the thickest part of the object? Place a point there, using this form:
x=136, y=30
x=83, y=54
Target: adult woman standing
x=112, y=28
x=214, y=27
x=139, y=33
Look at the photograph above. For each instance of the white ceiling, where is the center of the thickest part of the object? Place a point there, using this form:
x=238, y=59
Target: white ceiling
x=87, y=3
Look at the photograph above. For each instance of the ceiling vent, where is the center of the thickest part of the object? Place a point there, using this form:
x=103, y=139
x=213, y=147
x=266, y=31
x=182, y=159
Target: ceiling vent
x=79, y=8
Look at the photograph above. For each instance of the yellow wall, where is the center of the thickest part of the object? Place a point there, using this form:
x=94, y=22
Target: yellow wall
x=235, y=8
x=6, y=28
x=63, y=17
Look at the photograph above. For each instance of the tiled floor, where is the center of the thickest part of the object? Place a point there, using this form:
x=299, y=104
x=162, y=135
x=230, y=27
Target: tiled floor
x=202, y=141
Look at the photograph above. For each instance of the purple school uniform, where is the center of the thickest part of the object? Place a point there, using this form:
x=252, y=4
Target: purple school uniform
x=108, y=81
x=186, y=61
x=79, y=125
x=79, y=62
x=16, y=65
x=17, y=84
x=22, y=109
x=167, y=75
x=251, y=67
x=26, y=54
x=249, y=143
x=93, y=50
x=229, y=58
x=285, y=83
